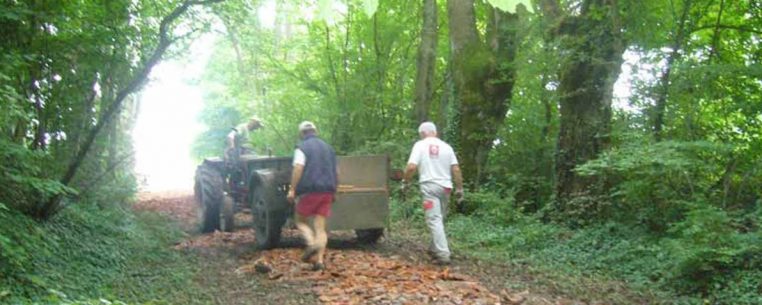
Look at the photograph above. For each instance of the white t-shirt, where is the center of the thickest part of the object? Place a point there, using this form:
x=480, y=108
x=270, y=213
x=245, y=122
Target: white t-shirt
x=434, y=159
x=242, y=131
x=299, y=157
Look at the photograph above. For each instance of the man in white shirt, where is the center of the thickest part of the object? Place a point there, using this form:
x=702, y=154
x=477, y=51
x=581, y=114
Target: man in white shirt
x=237, y=141
x=437, y=165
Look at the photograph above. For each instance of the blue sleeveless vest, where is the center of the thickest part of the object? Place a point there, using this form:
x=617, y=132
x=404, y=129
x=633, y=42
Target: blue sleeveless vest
x=320, y=169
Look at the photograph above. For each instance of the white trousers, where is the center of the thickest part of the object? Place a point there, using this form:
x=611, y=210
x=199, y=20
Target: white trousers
x=435, y=199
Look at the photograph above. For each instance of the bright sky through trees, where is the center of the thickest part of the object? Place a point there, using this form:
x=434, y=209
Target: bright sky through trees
x=167, y=120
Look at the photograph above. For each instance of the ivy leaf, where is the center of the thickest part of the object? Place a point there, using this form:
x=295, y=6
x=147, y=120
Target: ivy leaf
x=510, y=5
x=370, y=7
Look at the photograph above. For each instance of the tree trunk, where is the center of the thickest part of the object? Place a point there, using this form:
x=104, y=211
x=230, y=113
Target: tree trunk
x=594, y=47
x=426, y=62
x=661, y=101
x=483, y=76
x=36, y=71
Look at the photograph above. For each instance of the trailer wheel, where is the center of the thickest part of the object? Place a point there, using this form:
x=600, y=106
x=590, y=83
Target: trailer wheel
x=227, y=219
x=208, y=193
x=369, y=236
x=267, y=224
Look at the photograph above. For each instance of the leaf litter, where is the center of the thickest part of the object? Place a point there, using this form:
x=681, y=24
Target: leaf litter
x=361, y=277
x=351, y=276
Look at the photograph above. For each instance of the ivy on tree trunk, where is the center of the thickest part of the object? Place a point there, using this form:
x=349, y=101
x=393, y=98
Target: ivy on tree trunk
x=483, y=73
x=591, y=65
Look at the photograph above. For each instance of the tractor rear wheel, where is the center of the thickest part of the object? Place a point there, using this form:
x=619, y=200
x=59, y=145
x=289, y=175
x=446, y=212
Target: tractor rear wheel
x=369, y=236
x=267, y=223
x=209, y=196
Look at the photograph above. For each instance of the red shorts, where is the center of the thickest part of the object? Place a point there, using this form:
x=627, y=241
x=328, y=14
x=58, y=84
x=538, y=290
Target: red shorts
x=312, y=204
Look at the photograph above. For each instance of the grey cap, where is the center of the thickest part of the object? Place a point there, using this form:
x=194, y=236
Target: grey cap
x=427, y=127
x=307, y=125
x=255, y=118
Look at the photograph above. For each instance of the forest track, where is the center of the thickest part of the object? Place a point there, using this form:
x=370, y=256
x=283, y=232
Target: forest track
x=395, y=271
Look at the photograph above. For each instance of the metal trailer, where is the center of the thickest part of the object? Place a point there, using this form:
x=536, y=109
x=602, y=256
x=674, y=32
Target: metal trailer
x=261, y=184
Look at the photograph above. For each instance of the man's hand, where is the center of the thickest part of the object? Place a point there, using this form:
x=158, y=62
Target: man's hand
x=403, y=190
x=296, y=175
x=459, y=197
x=291, y=196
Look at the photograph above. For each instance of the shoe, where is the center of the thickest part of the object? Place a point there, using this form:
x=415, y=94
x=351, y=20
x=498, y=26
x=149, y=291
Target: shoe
x=441, y=261
x=309, y=252
x=431, y=253
x=318, y=267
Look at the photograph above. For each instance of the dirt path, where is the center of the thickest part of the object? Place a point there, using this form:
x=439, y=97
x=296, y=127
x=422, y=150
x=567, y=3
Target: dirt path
x=392, y=272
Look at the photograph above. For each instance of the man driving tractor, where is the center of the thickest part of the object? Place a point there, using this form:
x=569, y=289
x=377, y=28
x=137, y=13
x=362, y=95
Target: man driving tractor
x=237, y=142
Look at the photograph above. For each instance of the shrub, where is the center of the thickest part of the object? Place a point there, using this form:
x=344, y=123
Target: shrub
x=707, y=250
x=653, y=183
x=24, y=180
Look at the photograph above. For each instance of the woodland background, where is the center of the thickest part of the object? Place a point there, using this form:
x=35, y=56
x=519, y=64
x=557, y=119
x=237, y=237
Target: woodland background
x=655, y=184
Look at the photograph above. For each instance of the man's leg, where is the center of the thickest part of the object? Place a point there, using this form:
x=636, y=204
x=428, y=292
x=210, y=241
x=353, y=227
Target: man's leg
x=444, y=199
x=304, y=228
x=433, y=211
x=321, y=237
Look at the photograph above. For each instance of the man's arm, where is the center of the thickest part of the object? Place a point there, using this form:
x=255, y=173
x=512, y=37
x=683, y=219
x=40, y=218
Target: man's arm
x=458, y=177
x=409, y=171
x=296, y=175
x=231, y=139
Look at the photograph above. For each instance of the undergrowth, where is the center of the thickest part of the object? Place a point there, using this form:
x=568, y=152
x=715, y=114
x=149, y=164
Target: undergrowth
x=87, y=255
x=610, y=262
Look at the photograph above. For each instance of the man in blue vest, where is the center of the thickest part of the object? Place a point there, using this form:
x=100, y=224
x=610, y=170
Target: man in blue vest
x=314, y=180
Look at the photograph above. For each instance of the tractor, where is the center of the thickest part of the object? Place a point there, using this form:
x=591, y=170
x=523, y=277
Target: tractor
x=224, y=186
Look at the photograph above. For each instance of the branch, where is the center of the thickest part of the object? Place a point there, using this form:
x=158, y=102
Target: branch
x=309, y=83
x=727, y=27
x=186, y=35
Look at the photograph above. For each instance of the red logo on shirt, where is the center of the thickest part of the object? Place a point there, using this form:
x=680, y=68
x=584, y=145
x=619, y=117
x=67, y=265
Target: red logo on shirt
x=433, y=151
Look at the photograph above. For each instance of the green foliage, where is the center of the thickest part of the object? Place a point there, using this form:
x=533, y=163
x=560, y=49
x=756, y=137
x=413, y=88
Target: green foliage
x=398, y=152
x=64, y=64
x=654, y=183
x=708, y=250
x=348, y=76
x=220, y=119
x=60, y=298
x=87, y=253
x=24, y=178
x=703, y=258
